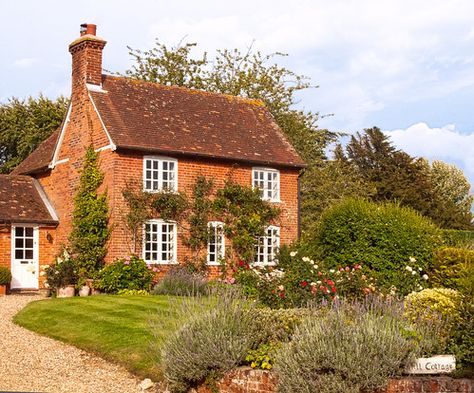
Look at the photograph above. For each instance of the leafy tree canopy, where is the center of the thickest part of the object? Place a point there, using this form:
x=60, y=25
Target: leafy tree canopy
x=24, y=124
x=440, y=191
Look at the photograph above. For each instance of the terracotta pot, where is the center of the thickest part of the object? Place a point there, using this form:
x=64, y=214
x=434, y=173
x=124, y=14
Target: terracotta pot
x=3, y=290
x=95, y=291
x=67, y=291
x=84, y=291
x=45, y=292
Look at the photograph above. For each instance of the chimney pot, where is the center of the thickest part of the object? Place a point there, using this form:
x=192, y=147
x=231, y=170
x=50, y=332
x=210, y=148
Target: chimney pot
x=88, y=28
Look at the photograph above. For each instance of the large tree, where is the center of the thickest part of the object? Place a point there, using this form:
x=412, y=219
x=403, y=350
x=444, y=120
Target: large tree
x=452, y=192
x=438, y=191
x=24, y=124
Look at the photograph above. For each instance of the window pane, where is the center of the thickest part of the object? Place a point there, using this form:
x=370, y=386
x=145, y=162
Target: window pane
x=147, y=164
x=18, y=254
x=29, y=232
x=28, y=254
x=29, y=243
x=18, y=243
x=19, y=231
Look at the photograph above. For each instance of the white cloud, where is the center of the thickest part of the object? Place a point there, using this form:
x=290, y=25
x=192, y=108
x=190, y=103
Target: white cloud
x=444, y=143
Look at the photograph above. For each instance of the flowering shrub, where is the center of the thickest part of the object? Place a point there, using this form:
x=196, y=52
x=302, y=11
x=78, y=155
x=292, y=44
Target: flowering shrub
x=382, y=236
x=262, y=357
x=298, y=280
x=179, y=281
x=61, y=273
x=434, y=304
x=127, y=273
x=354, y=347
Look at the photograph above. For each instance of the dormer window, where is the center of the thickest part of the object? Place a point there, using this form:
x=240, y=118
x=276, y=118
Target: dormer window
x=160, y=174
x=268, y=182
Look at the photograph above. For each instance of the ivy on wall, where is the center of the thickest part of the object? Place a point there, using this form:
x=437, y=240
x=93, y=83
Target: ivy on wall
x=90, y=230
x=244, y=214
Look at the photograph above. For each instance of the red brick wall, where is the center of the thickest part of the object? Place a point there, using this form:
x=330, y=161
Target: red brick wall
x=129, y=169
x=246, y=380
x=5, y=246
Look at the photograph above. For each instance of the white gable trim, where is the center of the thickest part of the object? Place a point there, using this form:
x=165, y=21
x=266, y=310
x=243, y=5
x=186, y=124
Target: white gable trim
x=45, y=199
x=54, y=161
x=111, y=142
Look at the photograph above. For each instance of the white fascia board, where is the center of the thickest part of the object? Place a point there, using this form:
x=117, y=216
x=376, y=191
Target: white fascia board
x=111, y=142
x=45, y=200
x=52, y=164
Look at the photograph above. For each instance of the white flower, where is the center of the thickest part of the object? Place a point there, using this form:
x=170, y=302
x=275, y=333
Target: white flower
x=413, y=272
x=46, y=285
x=305, y=259
x=424, y=277
x=420, y=287
x=332, y=271
x=281, y=288
x=293, y=253
x=313, y=284
x=412, y=260
x=42, y=274
x=318, y=282
x=420, y=269
x=338, y=272
x=316, y=266
x=408, y=268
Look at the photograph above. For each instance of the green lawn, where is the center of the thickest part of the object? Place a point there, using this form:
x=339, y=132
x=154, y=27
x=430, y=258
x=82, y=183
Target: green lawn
x=125, y=329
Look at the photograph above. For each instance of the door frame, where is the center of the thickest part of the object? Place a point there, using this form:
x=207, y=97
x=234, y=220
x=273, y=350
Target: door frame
x=35, y=251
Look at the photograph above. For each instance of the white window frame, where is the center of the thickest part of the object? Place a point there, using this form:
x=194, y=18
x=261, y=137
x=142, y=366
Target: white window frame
x=213, y=234
x=262, y=246
x=159, y=250
x=275, y=193
x=161, y=160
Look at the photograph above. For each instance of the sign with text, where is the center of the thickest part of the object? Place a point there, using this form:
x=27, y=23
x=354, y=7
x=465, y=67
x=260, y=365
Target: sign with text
x=441, y=364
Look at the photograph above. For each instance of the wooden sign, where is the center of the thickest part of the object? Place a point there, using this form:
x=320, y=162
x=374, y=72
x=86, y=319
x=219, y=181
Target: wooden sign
x=441, y=364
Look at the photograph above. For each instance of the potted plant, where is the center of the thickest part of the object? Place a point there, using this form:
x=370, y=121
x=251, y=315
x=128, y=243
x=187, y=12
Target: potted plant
x=5, y=278
x=62, y=276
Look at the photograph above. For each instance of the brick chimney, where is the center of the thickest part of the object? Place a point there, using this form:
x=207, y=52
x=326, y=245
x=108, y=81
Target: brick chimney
x=86, y=54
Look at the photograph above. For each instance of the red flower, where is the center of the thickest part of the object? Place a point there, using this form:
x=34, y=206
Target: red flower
x=320, y=274
x=241, y=263
x=333, y=289
x=331, y=283
x=282, y=295
x=366, y=290
x=304, y=284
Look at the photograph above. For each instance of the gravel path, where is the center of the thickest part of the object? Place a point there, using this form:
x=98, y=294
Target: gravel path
x=30, y=362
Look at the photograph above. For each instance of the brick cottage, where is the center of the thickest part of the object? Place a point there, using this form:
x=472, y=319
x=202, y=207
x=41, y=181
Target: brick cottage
x=155, y=135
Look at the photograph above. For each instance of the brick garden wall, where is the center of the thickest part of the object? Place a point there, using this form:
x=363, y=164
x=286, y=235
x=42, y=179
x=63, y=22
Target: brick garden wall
x=246, y=380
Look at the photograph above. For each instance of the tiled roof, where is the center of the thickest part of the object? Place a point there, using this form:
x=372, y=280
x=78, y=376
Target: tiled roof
x=175, y=120
x=21, y=201
x=40, y=158
x=168, y=119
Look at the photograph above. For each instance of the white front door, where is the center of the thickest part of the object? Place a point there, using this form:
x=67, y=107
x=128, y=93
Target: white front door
x=24, y=257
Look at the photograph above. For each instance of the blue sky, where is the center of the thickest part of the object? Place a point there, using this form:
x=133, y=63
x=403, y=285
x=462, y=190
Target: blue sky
x=404, y=66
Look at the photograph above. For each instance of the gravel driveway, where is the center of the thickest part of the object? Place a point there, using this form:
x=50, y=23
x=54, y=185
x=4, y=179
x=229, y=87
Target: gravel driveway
x=33, y=363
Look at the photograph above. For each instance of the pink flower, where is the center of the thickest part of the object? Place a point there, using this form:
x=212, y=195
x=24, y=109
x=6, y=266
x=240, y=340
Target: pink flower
x=155, y=269
x=126, y=262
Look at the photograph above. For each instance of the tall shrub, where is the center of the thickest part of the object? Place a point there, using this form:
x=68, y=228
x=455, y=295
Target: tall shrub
x=90, y=230
x=383, y=237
